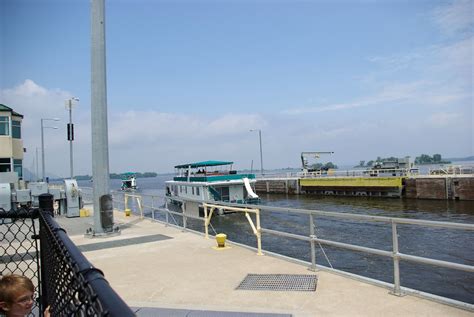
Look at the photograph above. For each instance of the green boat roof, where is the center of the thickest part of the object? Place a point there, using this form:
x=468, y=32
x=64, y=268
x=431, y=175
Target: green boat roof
x=204, y=164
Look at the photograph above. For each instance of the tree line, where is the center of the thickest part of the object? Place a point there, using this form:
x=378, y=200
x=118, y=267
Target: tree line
x=119, y=176
x=422, y=159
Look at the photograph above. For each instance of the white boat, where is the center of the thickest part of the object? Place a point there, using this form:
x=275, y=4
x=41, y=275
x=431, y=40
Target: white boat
x=211, y=181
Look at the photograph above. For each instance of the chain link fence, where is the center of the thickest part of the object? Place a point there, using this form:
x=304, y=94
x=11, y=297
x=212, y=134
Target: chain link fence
x=64, y=279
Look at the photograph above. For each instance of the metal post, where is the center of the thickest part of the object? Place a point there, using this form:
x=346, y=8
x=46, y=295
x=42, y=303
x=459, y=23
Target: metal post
x=313, y=246
x=152, y=208
x=100, y=144
x=261, y=156
x=396, y=261
x=206, y=222
x=42, y=152
x=259, y=233
x=183, y=209
x=37, y=171
x=70, y=138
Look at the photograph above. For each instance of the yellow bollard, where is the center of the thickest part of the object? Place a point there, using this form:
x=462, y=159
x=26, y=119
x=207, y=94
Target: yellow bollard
x=220, y=238
x=128, y=212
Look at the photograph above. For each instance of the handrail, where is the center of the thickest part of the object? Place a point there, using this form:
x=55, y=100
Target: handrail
x=312, y=238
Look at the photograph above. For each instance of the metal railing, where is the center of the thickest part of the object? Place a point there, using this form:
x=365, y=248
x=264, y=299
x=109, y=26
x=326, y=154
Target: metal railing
x=64, y=279
x=422, y=171
x=313, y=239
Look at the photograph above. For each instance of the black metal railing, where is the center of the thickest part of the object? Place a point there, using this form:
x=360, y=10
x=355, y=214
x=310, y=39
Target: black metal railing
x=64, y=279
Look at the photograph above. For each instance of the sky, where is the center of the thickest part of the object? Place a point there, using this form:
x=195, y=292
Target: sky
x=188, y=80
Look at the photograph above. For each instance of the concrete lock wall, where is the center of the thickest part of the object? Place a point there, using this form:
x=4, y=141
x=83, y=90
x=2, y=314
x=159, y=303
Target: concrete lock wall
x=443, y=187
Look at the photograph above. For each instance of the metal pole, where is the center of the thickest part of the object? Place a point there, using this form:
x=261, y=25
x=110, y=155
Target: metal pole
x=70, y=139
x=100, y=149
x=396, y=261
x=37, y=170
x=42, y=152
x=261, y=156
x=312, y=243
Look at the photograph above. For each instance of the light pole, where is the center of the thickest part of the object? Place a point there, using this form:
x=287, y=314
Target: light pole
x=42, y=142
x=261, y=155
x=70, y=131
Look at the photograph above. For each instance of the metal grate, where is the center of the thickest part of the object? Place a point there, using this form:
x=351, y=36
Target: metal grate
x=279, y=282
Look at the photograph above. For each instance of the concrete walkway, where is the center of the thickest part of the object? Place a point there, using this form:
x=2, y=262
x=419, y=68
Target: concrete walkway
x=150, y=265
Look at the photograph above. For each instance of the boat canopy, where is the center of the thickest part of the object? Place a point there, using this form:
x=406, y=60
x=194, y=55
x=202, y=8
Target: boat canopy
x=204, y=164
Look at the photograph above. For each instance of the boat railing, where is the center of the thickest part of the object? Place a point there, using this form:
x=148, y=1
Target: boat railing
x=153, y=204
x=448, y=170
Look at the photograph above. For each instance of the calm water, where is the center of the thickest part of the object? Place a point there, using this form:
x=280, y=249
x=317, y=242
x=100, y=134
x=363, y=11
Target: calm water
x=443, y=244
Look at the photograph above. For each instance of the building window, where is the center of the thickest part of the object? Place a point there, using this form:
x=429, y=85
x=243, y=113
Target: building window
x=18, y=167
x=4, y=126
x=16, y=129
x=5, y=165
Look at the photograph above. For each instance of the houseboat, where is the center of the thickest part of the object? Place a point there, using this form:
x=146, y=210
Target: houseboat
x=211, y=181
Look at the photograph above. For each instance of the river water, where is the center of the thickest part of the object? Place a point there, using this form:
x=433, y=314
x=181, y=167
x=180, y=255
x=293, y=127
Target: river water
x=442, y=244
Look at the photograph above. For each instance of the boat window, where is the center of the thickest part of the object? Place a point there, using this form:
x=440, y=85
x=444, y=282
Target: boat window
x=192, y=188
x=197, y=191
x=185, y=189
x=224, y=191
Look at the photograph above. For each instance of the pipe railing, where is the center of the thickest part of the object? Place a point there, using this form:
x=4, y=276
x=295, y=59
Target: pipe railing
x=394, y=254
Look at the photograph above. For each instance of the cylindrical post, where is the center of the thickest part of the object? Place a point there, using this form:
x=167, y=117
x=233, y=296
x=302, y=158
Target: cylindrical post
x=152, y=209
x=37, y=170
x=312, y=242
x=396, y=262
x=46, y=203
x=261, y=155
x=206, y=222
x=259, y=233
x=183, y=209
x=70, y=139
x=100, y=149
x=42, y=152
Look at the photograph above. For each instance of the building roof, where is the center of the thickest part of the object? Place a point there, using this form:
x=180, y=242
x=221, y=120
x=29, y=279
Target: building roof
x=6, y=108
x=204, y=164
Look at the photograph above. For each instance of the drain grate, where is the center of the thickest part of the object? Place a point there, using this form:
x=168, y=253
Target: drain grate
x=279, y=282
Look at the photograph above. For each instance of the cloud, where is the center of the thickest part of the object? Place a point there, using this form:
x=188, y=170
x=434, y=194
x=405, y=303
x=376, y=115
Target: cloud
x=155, y=141
x=456, y=16
x=152, y=127
x=443, y=119
x=387, y=94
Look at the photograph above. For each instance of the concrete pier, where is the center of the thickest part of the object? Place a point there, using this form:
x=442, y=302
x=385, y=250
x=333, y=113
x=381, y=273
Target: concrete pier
x=152, y=265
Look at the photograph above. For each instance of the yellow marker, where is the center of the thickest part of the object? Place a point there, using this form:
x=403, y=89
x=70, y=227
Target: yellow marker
x=84, y=212
x=220, y=239
x=128, y=212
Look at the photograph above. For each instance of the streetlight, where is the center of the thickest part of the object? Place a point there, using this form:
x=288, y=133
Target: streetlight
x=70, y=131
x=42, y=141
x=261, y=156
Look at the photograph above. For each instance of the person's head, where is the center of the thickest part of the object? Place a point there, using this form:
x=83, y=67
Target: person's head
x=16, y=295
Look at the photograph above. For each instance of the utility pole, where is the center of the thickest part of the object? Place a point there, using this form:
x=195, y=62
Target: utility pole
x=103, y=204
x=70, y=133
